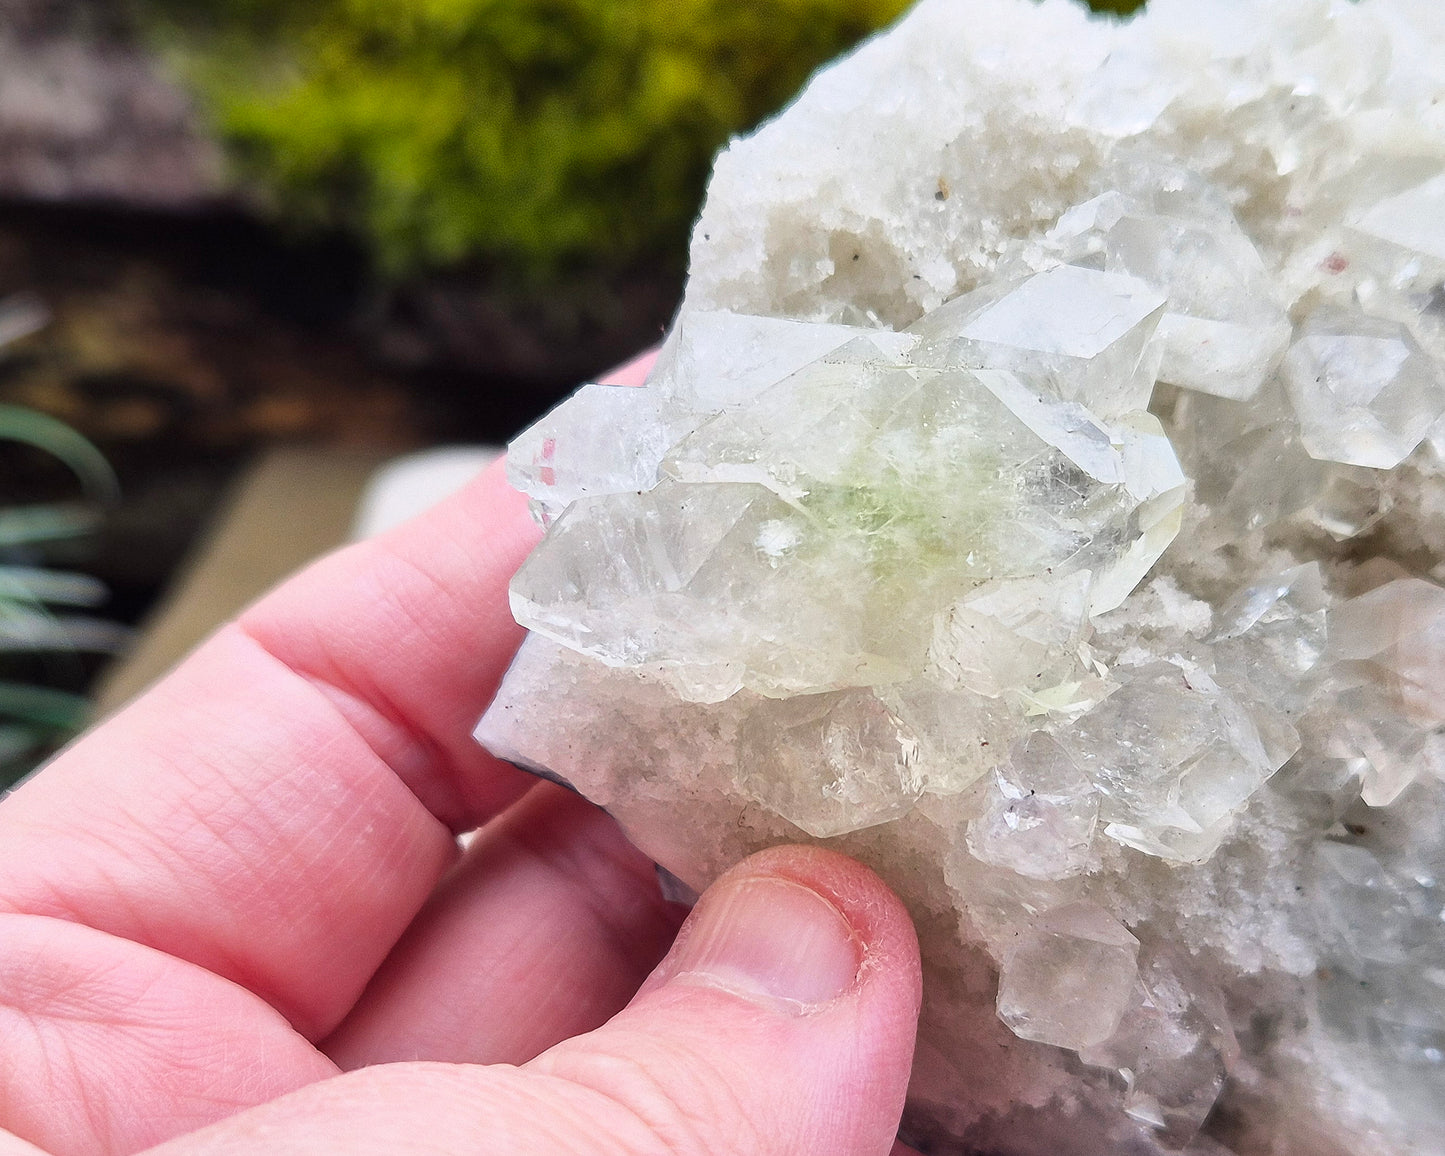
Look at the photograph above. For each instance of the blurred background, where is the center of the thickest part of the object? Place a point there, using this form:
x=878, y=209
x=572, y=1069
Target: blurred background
x=253, y=250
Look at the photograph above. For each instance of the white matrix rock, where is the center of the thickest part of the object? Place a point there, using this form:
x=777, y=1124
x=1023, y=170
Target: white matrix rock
x=1041, y=496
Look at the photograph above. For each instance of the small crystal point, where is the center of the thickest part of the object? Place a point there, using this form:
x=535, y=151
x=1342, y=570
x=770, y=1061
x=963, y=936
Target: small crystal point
x=1222, y=331
x=829, y=763
x=1365, y=392
x=604, y=439
x=1412, y=222
x=1068, y=979
x=1086, y=332
x=1039, y=816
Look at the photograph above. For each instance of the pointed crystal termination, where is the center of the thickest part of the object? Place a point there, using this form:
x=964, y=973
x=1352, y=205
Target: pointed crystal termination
x=609, y=439
x=1365, y=392
x=1085, y=332
x=1399, y=628
x=1068, y=979
x=1222, y=331
x=1173, y=756
x=1040, y=814
x=604, y=439
x=807, y=540
x=719, y=360
x=1173, y=1048
x=1402, y=238
x=829, y=763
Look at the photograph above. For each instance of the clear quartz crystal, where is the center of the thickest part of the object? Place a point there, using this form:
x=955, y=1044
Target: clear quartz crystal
x=829, y=763
x=1365, y=392
x=1040, y=816
x=807, y=540
x=1040, y=495
x=1088, y=331
x=1221, y=330
x=1067, y=979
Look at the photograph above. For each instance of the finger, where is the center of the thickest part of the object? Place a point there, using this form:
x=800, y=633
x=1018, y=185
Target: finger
x=279, y=808
x=107, y=1050
x=12, y=1145
x=781, y=1024
x=544, y=931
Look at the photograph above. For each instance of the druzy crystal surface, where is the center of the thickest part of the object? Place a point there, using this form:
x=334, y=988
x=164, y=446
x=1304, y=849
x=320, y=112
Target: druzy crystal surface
x=1041, y=496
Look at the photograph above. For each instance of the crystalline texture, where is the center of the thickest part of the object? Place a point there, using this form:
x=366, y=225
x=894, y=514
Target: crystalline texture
x=1088, y=331
x=1172, y=755
x=1133, y=689
x=1221, y=331
x=1365, y=392
x=829, y=763
x=607, y=439
x=1040, y=815
x=1068, y=979
x=806, y=540
x=1406, y=232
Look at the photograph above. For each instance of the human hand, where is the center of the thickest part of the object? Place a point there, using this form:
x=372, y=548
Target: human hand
x=234, y=917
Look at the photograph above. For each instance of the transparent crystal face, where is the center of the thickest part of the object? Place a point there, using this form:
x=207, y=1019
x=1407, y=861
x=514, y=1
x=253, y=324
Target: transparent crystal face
x=1365, y=393
x=1041, y=497
x=1067, y=980
x=809, y=539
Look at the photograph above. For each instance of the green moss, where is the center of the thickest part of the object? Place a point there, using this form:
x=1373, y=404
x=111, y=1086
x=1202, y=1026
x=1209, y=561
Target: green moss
x=531, y=133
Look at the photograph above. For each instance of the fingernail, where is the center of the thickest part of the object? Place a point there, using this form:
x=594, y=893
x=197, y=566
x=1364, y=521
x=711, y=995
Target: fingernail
x=770, y=937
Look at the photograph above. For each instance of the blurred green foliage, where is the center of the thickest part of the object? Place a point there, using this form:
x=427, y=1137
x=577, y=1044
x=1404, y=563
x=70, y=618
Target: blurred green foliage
x=528, y=132
x=42, y=621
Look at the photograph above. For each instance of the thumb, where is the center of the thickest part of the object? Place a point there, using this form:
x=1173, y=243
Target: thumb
x=782, y=1022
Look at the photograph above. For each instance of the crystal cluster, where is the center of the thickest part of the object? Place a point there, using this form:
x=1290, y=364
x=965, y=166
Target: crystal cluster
x=1041, y=496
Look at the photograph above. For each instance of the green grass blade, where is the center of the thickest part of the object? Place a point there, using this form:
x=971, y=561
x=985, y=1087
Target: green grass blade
x=55, y=437
x=41, y=707
x=55, y=587
x=28, y=630
x=48, y=522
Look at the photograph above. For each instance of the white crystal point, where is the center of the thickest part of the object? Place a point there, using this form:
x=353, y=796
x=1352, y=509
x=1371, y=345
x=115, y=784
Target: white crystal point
x=604, y=439
x=1039, y=815
x=1365, y=392
x=1017, y=636
x=1222, y=331
x=1173, y=756
x=1399, y=628
x=1407, y=231
x=1068, y=979
x=829, y=763
x=717, y=360
x=1174, y=1047
x=1085, y=332
x=1277, y=625
x=961, y=737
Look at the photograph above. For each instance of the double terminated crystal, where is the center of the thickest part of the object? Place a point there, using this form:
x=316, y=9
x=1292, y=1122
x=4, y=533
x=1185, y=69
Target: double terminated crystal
x=1077, y=561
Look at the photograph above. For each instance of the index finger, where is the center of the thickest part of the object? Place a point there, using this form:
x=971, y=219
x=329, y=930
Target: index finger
x=278, y=808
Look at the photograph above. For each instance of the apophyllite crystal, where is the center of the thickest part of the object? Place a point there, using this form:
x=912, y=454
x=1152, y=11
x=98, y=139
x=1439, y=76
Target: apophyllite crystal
x=1041, y=496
